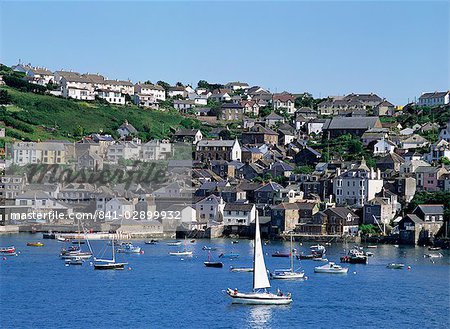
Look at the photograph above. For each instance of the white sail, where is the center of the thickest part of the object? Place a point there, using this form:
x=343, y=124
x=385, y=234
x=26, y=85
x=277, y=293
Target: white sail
x=260, y=279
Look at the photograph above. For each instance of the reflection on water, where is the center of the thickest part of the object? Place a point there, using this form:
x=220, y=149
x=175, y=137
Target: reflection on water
x=260, y=316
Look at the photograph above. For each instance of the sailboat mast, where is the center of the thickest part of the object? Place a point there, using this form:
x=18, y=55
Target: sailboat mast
x=254, y=250
x=291, y=254
x=113, y=251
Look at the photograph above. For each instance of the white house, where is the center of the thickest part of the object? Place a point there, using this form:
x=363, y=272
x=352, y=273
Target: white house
x=445, y=133
x=77, y=87
x=179, y=91
x=438, y=150
x=356, y=186
x=315, y=126
x=210, y=210
x=284, y=102
x=118, y=208
x=120, y=86
x=156, y=150
x=435, y=98
x=125, y=150
x=150, y=89
x=383, y=146
x=35, y=74
x=113, y=97
x=239, y=214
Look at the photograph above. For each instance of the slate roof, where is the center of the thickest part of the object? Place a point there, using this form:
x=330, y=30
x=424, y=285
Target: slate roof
x=350, y=123
x=431, y=208
x=216, y=142
x=436, y=94
x=269, y=187
x=231, y=206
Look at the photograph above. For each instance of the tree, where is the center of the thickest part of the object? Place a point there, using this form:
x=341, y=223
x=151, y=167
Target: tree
x=445, y=161
x=304, y=100
x=179, y=84
x=163, y=84
x=203, y=84
x=5, y=98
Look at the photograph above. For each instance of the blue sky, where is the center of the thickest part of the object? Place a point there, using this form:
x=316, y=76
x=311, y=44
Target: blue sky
x=396, y=49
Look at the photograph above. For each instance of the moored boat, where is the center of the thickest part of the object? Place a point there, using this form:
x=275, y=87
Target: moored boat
x=372, y=247
x=35, y=244
x=129, y=248
x=75, y=261
x=434, y=248
x=331, y=268
x=209, y=263
x=289, y=274
x=438, y=255
x=174, y=243
x=181, y=253
x=229, y=255
x=241, y=269
x=208, y=248
x=396, y=266
x=280, y=254
x=151, y=242
x=355, y=256
x=8, y=251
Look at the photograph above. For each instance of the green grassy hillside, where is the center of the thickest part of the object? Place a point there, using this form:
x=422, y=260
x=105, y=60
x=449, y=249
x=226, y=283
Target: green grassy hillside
x=37, y=117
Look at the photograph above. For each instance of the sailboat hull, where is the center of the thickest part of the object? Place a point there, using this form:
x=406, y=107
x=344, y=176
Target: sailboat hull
x=110, y=266
x=287, y=275
x=258, y=298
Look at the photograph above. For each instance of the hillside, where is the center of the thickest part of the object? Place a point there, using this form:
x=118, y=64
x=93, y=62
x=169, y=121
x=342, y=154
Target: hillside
x=38, y=117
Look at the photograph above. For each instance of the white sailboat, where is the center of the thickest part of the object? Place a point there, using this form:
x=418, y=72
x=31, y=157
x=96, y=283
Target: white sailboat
x=260, y=295
x=289, y=274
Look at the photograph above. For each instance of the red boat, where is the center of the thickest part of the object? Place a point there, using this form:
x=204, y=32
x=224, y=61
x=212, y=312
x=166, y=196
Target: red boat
x=8, y=250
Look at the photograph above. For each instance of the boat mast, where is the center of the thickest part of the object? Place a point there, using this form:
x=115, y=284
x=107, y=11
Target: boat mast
x=291, y=254
x=113, y=252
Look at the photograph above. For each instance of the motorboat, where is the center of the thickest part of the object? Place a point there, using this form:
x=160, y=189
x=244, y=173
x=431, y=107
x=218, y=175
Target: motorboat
x=259, y=295
x=8, y=251
x=208, y=248
x=129, y=248
x=396, y=266
x=235, y=241
x=174, y=243
x=151, y=242
x=434, y=248
x=331, y=268
x=355, y=256
x=372, y=247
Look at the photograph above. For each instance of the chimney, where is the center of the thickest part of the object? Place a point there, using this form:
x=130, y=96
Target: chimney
x=378, y=173
x=338, y=171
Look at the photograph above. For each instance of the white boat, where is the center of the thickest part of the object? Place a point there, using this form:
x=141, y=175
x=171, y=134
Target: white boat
x=320, y=259
x=260, y=295
x=288, y=274
x=75, y=261
x=174, y=243
x=396, y=266
x=439, y=255
x=62, y=239
x=372, y=247
x=181, y=253
x=331, y=268
x=241, y=269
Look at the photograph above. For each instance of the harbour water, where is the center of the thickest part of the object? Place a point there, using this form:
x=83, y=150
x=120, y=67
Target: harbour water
x=37, y=290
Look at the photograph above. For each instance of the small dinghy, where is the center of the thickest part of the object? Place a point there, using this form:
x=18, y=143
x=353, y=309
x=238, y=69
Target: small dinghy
x=395, y=266
x=151, y=242
x=209, y=263
x=208, y=248
x=75, y=261
x=372, y=247
x=229, y=255
x=174, y=243
x=35, y=244
x=439, y=255
x=280, y=254
x=241, y=269
x=331, y=268
x=434, y=248
x=181, y=253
